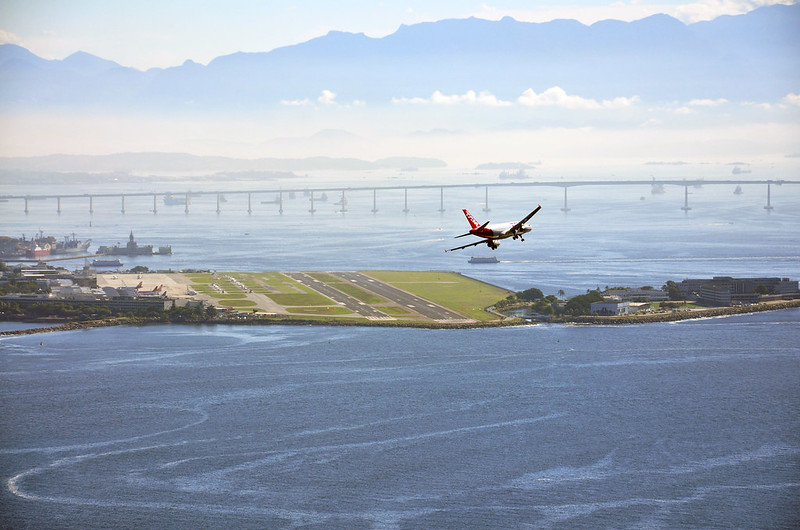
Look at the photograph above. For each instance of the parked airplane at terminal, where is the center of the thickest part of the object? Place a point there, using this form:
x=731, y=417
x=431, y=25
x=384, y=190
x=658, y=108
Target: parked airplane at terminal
x=492, y=233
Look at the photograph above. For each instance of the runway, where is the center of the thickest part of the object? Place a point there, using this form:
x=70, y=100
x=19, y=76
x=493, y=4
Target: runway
x=420, y=305
x=351, y=303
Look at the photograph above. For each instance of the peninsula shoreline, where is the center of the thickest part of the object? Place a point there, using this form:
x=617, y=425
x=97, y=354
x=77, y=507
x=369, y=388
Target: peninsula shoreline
x=693, y=314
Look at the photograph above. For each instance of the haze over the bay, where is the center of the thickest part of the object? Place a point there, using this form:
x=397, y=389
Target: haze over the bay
x=606, y=85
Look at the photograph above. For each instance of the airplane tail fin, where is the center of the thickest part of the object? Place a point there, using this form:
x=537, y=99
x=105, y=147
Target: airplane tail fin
x=472, y=222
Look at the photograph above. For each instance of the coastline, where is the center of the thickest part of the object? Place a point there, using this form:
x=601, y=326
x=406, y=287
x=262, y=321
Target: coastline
x=690, y=314
x=271, y=321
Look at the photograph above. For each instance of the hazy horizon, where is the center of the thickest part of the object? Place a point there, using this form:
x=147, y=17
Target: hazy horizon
x=463, y=125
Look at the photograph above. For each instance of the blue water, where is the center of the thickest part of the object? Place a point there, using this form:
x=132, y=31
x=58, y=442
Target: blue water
x=693, y=424
x=610, y=237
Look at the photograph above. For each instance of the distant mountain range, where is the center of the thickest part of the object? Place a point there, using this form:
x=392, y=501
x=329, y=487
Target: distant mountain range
x=751, y=57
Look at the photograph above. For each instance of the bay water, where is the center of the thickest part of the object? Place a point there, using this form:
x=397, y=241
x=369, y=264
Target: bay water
x=694, y=424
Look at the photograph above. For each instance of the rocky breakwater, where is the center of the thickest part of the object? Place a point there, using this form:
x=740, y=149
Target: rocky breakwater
x=69, y=326
x=687, y=314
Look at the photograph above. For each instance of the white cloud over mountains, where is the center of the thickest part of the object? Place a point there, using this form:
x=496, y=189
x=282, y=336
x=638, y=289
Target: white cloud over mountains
x=687, y=12
x=707, y=102
x=792, y=99
x=468, y=98
x=558, y=97
x=7, y=37
x=327, y=98
x=709, y=9
x=552, y=97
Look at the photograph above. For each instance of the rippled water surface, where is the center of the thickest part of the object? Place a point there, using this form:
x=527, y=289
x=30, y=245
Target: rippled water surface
x=693, y=424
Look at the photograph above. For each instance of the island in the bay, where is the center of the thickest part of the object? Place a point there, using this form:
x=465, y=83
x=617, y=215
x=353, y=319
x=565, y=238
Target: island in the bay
x=85, y=297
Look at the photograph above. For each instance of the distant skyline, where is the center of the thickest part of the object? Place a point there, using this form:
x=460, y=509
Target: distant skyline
x=154, y=34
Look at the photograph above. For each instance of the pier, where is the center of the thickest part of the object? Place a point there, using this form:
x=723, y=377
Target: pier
x=278, y=194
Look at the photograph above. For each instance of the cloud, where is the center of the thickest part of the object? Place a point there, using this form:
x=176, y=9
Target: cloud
x=327, y=98
x=792, y=99
x=558, y=97
x=468, y=98
x=707, y=102
x=652, y=122
x=295, y=102
x=761, y=105
x=7, y=37
x=552, y=97
x=711, y=9
x=626, y=10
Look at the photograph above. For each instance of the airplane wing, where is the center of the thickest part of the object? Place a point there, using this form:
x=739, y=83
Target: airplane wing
x=525, y=220
x=476, y=231
x=481, y=242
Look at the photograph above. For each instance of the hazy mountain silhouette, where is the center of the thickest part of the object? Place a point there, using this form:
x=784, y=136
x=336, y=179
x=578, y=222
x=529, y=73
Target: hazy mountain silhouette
x=155, y=162
x=751, y=57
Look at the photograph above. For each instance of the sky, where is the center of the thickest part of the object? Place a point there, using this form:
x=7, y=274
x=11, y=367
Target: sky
x=464, y=129
x=156, y=33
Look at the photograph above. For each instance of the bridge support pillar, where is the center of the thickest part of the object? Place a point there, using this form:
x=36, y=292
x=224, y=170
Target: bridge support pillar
x=768, y=206
x=123, y=204
x=155, y=205
x=218, y=210
x=374, y=200
x=58, y=207
x=91, y=204
x=565, y=208
x=441, y=200
x=26, y=206
x=249, y=204
x=405, y=208
x=686, y=207
x=344, y=203
x=486, y=201
x=186, y=204
x=280, y=202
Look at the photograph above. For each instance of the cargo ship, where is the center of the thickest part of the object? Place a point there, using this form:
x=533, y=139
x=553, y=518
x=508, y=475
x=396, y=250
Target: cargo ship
x=41, y=246
x=70, y=246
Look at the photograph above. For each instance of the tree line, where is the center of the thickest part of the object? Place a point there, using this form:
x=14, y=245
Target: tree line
x=78, y=312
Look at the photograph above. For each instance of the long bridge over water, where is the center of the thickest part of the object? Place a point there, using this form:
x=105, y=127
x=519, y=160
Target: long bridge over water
x=342, y=191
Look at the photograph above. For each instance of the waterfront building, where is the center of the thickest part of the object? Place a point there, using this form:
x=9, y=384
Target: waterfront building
x=629, y=293
x=725, y=290
x=610, y=307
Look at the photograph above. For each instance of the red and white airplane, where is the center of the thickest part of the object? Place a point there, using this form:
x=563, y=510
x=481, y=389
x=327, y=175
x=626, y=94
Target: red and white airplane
x=492, y=233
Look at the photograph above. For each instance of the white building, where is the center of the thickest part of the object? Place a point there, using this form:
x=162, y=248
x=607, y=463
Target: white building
x=608, y=308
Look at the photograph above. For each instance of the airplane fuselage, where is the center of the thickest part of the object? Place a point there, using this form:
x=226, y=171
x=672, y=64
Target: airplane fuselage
x=492, y=233
x=501, y=231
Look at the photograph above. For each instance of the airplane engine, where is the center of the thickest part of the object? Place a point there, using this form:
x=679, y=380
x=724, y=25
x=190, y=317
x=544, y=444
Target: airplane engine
x=492, y=244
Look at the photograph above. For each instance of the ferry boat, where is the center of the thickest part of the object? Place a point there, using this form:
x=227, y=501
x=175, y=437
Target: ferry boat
x=483, y=259
x=106, y=263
